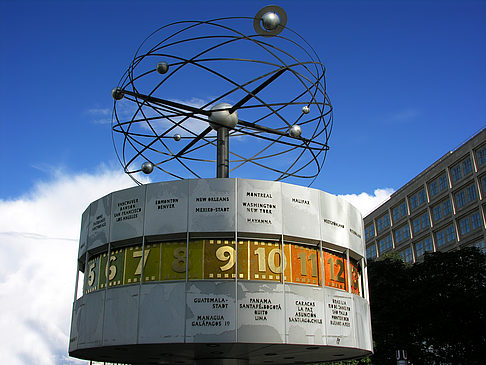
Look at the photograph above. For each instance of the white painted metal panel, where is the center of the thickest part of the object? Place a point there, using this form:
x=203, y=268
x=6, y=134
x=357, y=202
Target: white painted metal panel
x=83, y=235
x=305, y=314
x=261, y=312
x=212, y=205
x=300, y=208
x=333, y=220
x=259, y=206
x=121, y=316
x=211, y=312
x=162, y=313
x=99, y=222
x=166, y=208
x=127, y=213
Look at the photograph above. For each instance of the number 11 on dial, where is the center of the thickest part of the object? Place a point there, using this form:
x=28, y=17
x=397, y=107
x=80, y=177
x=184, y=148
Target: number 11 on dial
x=306, y=266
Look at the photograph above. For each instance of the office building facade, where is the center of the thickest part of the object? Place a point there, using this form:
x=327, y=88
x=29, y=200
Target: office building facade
x=441, y=209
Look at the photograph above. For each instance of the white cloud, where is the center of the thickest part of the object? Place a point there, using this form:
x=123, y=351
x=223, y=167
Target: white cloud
x=404, y=116
x=365, y=202
x=38, y=248
x=102, y=115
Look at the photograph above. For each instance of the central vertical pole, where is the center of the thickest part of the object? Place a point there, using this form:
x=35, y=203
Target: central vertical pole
x=222, y=168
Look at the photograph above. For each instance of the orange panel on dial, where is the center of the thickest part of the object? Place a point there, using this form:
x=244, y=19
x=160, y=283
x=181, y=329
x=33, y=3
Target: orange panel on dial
x=306, y=266
x=335, y=270
x=355, y=278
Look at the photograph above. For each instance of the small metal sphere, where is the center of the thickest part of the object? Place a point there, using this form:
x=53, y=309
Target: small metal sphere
x=177, y=137
x=147, y=167
x=270, y=20
x=295, y=131
x=117, y=93
x=305, y=109
x=162, y=67
x=222, y=118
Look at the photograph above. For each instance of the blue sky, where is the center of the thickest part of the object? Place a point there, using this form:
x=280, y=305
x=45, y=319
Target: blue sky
x=406, y=80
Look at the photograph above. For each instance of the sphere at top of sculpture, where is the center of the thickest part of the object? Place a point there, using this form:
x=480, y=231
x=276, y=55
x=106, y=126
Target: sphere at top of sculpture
x=270, y=20
x=177, y=137
x=305, y=109
x=222, y=118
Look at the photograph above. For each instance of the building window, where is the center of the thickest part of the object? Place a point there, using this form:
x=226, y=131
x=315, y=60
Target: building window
x=472, y=193
x=369, y=232
x=424, y=246
x=447, y=208
x=407, y=255
x=434, y=188
x=399, y=211
x=419, y=248
x=440, y=238
x=371, y=252
x=480, y=245
x=402, y=234
x=464, y=226
x=422, y=197
x=456, y=173
x=420, y=223
x=460, y=199
x=438, y=185
x=443, y=182
x=428, y=246
x=417, y=199
x=385, y=244
x=466, y=196
x=470, y=223
x=441, y=210
x=481, y=155
x=483, y=185
x=437, y=213
x=475, y=220
x=382, y=223
x=450, y=233
x=467, y=166
x=413, y=202
x=445, y=236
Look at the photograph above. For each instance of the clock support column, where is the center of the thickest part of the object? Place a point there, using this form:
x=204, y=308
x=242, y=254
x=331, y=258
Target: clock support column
x=222, y=168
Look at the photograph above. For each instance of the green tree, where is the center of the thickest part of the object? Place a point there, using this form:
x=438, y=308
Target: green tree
x=436, y=309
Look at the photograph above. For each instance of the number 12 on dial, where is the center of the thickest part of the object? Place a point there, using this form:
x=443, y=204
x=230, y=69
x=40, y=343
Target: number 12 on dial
x=335, y=270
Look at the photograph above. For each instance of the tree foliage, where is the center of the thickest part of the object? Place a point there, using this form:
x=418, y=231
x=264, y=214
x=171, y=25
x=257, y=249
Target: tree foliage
x=436, y=309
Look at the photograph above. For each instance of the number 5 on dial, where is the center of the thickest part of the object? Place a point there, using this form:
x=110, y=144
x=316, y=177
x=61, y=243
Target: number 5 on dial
x=91, y=276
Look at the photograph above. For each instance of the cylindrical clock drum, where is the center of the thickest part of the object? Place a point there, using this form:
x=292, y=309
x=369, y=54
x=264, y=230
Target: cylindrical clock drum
x=221, y=271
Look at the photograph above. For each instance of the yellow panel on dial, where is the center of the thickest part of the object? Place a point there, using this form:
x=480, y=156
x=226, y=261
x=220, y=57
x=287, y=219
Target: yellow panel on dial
x=133, y=264
x=266, y=261
x=92, y=275
x=243, y=259
x=114, y=270
x=151, y=264
x=219, y=259
x=174, y=256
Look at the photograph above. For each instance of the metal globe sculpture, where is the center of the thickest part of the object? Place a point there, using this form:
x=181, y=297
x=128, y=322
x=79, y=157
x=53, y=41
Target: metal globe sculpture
x=194, y=83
